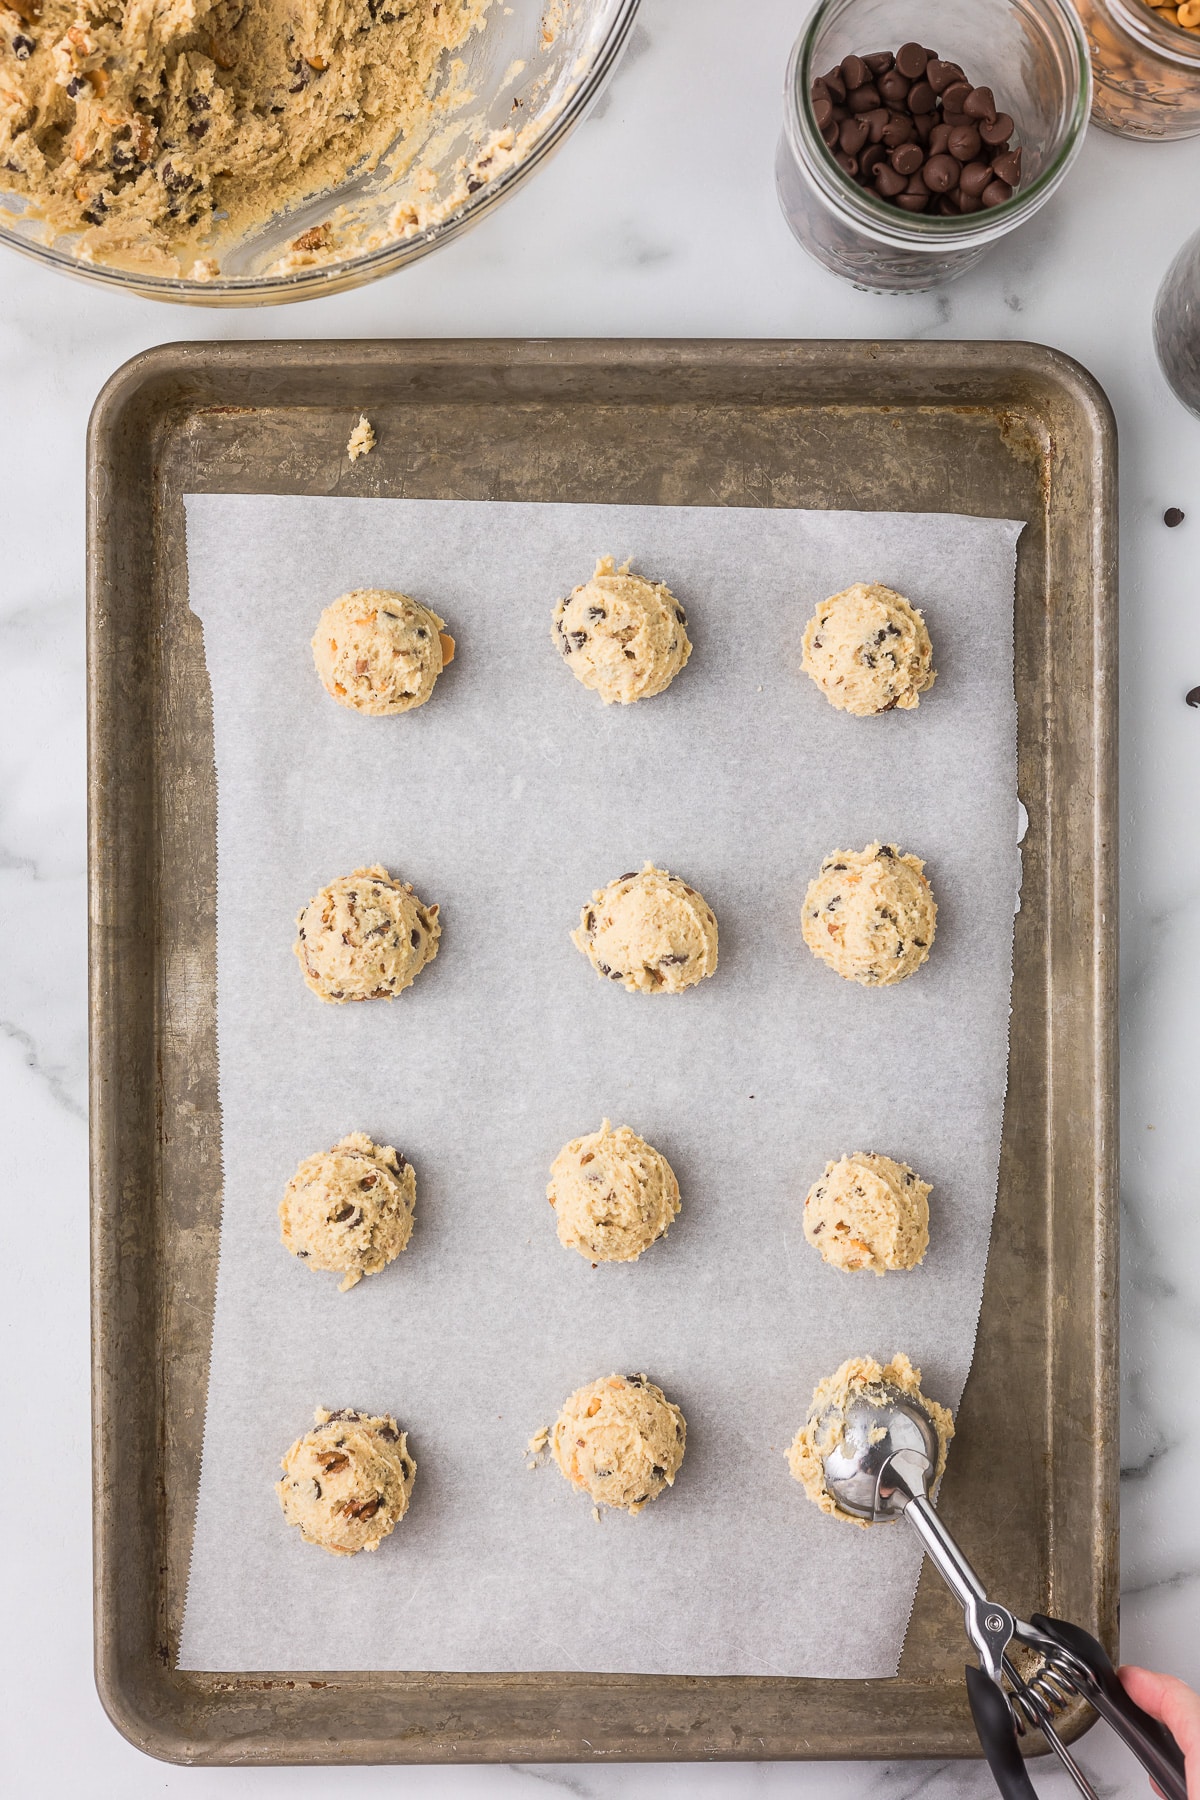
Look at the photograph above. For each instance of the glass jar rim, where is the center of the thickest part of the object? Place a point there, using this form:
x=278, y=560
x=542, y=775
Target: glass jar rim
x=923, y=231
x=1141, y=21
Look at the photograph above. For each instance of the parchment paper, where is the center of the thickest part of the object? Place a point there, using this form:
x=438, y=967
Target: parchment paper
x=508, y=799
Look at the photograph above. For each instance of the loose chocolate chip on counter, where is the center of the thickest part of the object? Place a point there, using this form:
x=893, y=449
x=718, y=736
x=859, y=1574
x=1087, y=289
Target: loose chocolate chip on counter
x=1174, y=516
x=1193, y=697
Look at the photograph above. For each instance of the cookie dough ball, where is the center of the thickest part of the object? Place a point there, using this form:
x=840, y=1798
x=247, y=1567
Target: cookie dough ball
x=379, y=652
x=870, y=914
x=868, y=1212
x=612, y=1194
x=650, y=931
x=365, y=937
x=350, y=1209
x=620, y=1440
x=823, y=1429
x=347, y=1483
x=623, y=636
x=868, y=650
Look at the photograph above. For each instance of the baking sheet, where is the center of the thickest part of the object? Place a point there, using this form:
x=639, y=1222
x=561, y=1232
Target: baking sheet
x=508, y=799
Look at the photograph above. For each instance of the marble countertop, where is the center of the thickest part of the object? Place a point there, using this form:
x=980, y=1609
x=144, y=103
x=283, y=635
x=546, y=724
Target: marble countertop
x=658, y=218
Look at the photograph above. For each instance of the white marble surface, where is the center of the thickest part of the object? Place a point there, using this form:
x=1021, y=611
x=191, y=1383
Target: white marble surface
x=658, y=218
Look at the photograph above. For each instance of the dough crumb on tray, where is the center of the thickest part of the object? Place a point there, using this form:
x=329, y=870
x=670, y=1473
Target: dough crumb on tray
x=362, y=439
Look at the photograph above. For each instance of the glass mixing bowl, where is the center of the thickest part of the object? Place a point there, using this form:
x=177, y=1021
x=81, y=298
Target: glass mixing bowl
x=536, y=68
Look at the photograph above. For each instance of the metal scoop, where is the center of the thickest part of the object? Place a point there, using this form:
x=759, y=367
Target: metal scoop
x=881, y=1465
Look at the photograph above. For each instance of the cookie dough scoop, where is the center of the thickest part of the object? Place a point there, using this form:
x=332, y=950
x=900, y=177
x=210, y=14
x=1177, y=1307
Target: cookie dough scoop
x=621, y=1440
x=650, y=931
x=366, y=936
x=870, y=915
x=868, y=650
x=380, y=652
x=347, y=1482
x=884, y=1453
x=621, y=635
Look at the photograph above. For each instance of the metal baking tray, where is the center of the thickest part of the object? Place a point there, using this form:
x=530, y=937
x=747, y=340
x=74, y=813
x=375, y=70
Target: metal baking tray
x=1011, y=430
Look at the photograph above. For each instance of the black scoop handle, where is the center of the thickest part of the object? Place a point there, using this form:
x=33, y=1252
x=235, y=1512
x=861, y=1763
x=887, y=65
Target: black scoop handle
x=993, y=1722
x=1150, y=1742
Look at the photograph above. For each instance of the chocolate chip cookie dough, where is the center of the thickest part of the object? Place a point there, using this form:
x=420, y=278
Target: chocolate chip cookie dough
x=621, y=635
x=868, y=1212
x=620, y=1440
x=379, y=652
x=650, y=931
x=822, y=1431
x=613, y=1194
x=347, y=1483
x=161, y=133
x=365, y=937
x=350, y=1209
x=868, y=650
x=870, y=914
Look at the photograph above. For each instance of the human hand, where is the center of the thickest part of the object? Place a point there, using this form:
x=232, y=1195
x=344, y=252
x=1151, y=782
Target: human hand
x=1174, y=1705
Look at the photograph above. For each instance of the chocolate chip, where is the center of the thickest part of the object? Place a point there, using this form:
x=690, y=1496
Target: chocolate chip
x=818, y=1228
x=940, y=174
x=974, y=178
x=628, y=876
x=369, y=1181
x=854, y=72
x=921, y=97
x=853, y=135
x=879, y=61
x=669, y=962
x=636, y=1380
x=388, y=1433
x=23, y=47
x=941, y=74
x=864, y=99
x=597, y=612
x=1174, y=516
x=907, y=159
x=893, y=87
x=996, y=193
x=1193, y=697
x=911, y=60
x=997, y=131
x=658, y=1470
x=980, y=104
x=1007, y=167
x=343, y=1213
x=963, y=141
x=414, y=938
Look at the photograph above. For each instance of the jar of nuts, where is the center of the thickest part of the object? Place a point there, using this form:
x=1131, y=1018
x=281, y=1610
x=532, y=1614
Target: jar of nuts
x=1146, y=66
x=918, y=132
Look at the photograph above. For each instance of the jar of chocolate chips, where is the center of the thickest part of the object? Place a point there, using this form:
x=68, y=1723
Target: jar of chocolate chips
x=915, y=135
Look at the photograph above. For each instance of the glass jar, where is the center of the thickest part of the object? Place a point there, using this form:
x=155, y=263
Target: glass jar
x=1146, y=70
x=1177, y=325
x=1033, y=55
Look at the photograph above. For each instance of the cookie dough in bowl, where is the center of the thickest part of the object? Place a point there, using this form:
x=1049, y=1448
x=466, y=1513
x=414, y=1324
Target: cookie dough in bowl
x=365, y=937
x=870, y=914
x=156, y=136
x=347, y=1482
x=613, y=1194
x=868, y=650
x=622, y=636
x=868, y=1212
x=350, y=1209
x=620, y=1440
x=650, y=931
x=822, y=1430
x=380, y=652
